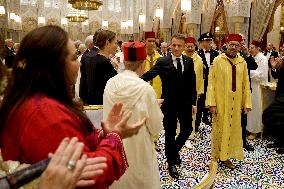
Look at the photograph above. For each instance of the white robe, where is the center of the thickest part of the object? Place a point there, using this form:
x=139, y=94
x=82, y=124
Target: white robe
x=258, y=77
x=139, y=97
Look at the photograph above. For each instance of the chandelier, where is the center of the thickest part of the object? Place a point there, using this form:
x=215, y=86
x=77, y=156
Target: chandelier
x=76, y=15
x=86, y=4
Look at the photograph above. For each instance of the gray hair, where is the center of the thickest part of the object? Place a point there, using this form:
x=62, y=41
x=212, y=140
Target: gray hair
x=82, y=48
x=164, y=44
x=88, y=40
x=8, y=40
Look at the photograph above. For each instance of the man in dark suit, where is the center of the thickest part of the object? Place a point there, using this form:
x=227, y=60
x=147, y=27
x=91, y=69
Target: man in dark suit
x=273, y=119
x=179, y=93
x=164, y=49
x=9, y=53
x=207, y=54
x=270, y=53
x=85, y=88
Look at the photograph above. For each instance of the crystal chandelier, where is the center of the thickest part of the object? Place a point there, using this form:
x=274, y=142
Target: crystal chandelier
x=75, y=15
x=86, y=4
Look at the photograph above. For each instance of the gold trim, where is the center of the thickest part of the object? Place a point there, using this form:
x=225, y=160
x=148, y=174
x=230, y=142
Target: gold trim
x=78, y=18
x=93, y=107
x=209, y=180
x=86, y=4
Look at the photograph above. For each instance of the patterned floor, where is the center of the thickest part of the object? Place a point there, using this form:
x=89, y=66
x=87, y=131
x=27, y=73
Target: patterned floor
x=261, y=169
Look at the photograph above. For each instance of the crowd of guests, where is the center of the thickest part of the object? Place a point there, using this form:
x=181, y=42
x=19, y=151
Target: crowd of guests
x=145, y=88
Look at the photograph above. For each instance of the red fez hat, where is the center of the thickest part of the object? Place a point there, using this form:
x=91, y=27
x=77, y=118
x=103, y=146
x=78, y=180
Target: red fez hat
x=150, y=35
x=134, y=51
x=234, y=37
x=256, y=43
x=190, y=40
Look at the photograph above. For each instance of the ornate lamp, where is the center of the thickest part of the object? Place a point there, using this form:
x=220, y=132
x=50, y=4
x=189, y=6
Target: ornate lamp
x=86, y=4
x=76, y=16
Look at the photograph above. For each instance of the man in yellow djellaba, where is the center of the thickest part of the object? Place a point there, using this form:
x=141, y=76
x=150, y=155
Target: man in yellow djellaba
x=228, y=94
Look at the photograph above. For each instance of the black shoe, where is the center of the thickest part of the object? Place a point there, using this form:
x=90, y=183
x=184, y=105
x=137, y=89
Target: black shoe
x=248, y=147
x=178, y=160
x=173, y=171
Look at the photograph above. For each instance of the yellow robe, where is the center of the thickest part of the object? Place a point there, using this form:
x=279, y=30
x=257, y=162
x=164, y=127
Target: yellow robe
x=156, y=82
x=198, y=69
x=226, y=141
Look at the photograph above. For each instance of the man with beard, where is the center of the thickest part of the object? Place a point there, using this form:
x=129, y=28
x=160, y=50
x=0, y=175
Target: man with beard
x=228, y=93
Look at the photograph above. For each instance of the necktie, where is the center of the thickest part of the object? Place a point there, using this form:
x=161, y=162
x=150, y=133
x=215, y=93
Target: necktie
x=179, y=67
x=165, y=54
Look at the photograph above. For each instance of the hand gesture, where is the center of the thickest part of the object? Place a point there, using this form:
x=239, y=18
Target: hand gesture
x=126, y=130
x=160, y=102
x=275, y=62
x=247, y=110
x=114, y=117
x=213, y=109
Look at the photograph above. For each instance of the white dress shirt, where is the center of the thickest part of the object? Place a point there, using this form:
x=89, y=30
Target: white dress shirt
x=174, y=58
x=207, y=57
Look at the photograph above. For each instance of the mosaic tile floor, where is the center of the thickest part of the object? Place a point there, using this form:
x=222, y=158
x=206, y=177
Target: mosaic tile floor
x=261, y=169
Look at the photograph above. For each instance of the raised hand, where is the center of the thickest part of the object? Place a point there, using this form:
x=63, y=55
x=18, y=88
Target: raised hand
x=114, y=117
x=126, y=130
x=275, y=62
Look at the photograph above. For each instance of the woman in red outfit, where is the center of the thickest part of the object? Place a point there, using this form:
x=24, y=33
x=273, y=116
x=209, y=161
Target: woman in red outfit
x=38, y=111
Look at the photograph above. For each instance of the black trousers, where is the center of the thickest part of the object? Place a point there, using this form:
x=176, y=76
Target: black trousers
x=244, y=118
x=173, y=145
x=201, y=110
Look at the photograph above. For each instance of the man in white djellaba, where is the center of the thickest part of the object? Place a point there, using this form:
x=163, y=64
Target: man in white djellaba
x=140, y=98
x=258, y=77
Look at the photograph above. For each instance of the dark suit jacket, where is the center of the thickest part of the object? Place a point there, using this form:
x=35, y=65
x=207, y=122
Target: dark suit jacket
x=84, y=91
x=273, y=117
x=99, y=71
x=213, y=54
x=178, y=90
x=9, y=57
x=251, y=64
x=279, y=74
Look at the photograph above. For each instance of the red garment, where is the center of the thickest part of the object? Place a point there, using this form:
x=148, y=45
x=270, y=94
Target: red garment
x=38, y=126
